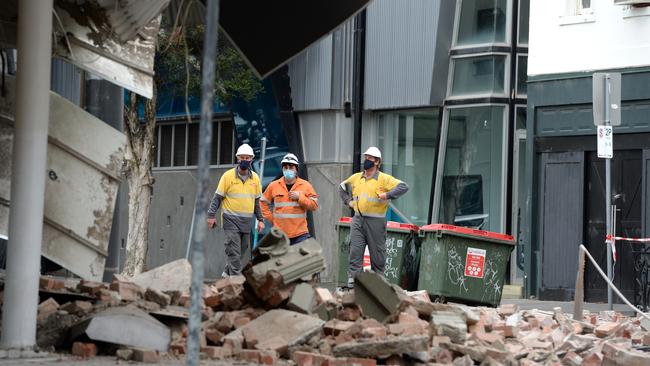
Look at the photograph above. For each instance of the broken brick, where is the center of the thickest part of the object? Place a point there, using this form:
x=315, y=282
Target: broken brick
x=84, y=350
x=323, y=295
x=145, y=355
x=213, y=335
x=217, y=353
x=508, y=309
x=90, y=287
x=349, y=313
x=268, y=357
x=128, y=291
x=50, y=284
x=158, y=297
x=606, y=329
x=250, y=355
x=77, y=307
x=335, y=326
x=47, y=308
x=241, y=321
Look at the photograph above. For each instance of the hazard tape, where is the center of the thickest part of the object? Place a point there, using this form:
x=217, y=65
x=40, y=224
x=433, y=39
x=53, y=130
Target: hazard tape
x=612, y=241
x=638, y=240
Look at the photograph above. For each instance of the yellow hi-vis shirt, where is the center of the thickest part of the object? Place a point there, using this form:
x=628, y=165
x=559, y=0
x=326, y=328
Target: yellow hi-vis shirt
x=239, y=197
x=365, y=193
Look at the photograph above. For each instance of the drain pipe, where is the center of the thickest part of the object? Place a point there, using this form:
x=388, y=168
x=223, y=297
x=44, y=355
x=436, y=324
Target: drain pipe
x=28, y=174
x=358, y=85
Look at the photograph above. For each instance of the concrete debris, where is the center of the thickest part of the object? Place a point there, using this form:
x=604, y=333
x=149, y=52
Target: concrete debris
x=276, y=314
x=126, y=325
x=378, y=298
x=173, y=276
x=277, y=264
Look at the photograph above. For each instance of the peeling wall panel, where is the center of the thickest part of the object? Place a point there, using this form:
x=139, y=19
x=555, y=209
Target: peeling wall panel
x=83, y=162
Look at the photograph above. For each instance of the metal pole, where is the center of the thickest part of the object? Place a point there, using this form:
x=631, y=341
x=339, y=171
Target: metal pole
x=202, y=194
x=28, y=174
x=608, y=196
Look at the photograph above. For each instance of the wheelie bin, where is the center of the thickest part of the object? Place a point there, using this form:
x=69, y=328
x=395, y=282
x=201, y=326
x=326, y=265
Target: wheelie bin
x=463, y=265
x=400, y=241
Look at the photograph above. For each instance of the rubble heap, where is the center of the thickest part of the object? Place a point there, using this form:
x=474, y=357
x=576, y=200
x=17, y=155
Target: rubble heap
x=277, y=314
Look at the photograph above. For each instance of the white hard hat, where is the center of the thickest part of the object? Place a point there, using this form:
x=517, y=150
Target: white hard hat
x=290, y=159
x=373, y=151
x=245, y=149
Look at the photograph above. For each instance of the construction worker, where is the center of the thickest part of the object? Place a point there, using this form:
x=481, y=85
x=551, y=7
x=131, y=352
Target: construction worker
x=368, y=194
x=291, y=198
x=238, y=194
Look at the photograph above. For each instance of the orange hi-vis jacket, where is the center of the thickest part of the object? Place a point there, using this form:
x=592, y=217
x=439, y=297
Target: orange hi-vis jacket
x=289, y=215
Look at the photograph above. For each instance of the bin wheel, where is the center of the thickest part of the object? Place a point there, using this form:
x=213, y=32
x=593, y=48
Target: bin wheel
x=440, y=300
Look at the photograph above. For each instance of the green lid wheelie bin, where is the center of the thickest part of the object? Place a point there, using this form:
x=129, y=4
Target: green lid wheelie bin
x=399, y=238
x=463, y=265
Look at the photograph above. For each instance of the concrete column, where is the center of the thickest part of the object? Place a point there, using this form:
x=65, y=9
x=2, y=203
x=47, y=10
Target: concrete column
x=28, y=173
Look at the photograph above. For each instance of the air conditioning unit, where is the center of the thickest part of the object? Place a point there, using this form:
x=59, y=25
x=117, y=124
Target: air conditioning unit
x=631, y=2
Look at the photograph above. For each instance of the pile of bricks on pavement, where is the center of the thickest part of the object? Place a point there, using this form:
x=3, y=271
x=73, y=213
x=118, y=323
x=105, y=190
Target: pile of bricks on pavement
x=275, y=317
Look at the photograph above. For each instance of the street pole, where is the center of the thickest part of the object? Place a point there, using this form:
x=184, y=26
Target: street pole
x=608, y=195
x=202, y=193
x=29, y=163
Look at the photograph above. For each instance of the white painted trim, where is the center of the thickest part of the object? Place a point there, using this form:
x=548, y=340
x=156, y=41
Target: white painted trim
x=632, y=12
x=577, y=19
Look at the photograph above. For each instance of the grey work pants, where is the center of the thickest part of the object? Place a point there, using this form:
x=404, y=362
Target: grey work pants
x=235, y=244
x=370, y=231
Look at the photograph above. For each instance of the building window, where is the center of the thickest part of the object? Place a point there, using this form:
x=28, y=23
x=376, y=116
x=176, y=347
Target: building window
x=326, y=136
x=178, y=144
x=578, y=7
x=478, y=76
x=522, y=75
x=472, y=178
x=481, y=22
x=577, y=12
x=409, y=143
x=524, y=18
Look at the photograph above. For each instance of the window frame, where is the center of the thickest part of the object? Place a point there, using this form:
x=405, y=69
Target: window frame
x=442, y=155
x=584, y=15
x=195, y=120
x=517, y=93
x=520, y=44
x=452, y=72
x=454, y=40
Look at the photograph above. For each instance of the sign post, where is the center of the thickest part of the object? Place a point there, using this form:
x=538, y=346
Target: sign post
x=607, y=113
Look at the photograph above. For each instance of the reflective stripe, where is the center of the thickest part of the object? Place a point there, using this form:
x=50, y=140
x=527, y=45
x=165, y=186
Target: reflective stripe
x=220, y=193
x=313, y=199
x=289, y=216
x=371, y=199
x=236, y=213
x=286, y=204
x=263, y=199
x=241, y=195
x=364, y=214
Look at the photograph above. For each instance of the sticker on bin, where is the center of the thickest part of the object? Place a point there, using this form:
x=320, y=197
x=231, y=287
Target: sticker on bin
x=475, y=262
x=366, y=260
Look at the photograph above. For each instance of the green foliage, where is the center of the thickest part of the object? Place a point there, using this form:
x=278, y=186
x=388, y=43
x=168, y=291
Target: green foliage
x=178, y=65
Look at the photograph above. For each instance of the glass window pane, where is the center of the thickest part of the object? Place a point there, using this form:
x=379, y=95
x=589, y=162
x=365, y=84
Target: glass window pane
x=193, y=144
x=471, y=184
x=214, y=149
x=166, y=145
x=179, y=145
x=524, y=10
x=409, y=143
x=482, y=21
x=226, y=143
x=522, y=75
x=479, y=75
x=521, y=118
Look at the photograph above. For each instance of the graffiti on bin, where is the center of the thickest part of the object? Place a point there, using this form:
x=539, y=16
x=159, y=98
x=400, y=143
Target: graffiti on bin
x=345, y=246
x=392, y=244
x=492, y=286
x=456, y=269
